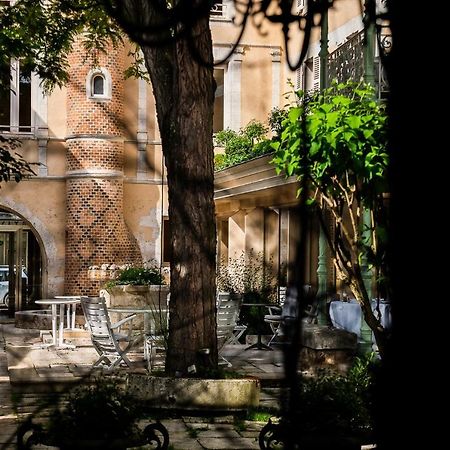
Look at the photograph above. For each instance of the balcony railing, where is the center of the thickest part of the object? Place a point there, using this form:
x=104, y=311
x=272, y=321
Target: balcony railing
x=347, y=63
x=219, y=9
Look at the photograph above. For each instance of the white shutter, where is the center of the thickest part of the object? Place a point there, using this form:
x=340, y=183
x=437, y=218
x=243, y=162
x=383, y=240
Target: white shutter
x=316, y=73
x=301, y=6
x=299, y=79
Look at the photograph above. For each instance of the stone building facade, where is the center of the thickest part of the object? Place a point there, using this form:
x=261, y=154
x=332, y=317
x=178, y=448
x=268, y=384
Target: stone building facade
x=99, y=195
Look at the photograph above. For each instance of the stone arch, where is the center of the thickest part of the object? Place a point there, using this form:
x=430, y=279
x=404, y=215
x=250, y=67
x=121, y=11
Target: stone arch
x=52, y=282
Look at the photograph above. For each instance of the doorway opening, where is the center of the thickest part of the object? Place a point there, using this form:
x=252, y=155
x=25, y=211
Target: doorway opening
x=20, y=264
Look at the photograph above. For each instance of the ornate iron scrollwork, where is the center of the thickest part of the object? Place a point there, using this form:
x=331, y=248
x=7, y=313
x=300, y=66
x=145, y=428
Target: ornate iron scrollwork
x=30, y=434
x=273, y=436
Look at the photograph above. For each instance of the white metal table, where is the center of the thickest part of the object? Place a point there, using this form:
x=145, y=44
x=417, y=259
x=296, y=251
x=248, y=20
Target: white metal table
x=58, y=328
x=71, y=309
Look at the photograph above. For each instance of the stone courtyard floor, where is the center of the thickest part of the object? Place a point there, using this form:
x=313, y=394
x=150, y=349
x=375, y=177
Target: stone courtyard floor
x=32, y=380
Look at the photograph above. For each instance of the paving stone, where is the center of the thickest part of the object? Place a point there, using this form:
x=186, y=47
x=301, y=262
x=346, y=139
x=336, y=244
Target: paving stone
x=34, y=393
x=225, y=444
x=218, y=433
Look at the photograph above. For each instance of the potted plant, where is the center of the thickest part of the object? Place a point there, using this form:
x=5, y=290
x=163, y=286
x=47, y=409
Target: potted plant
x=137, y=286
x=97, y=416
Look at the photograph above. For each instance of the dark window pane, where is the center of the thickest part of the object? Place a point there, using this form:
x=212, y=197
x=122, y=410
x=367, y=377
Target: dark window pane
x=25, y=100
x=218, y=101
x=167, y=254
x=5, y=96
x=98, y=85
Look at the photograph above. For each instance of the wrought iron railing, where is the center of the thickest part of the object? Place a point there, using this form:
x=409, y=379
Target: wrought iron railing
x=347, y=63
x=219, y=9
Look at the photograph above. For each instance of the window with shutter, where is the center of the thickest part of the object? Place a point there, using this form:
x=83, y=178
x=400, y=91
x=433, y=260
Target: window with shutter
x=299, y=79
x=301, y=5
x=316, y=73
x=15, y=98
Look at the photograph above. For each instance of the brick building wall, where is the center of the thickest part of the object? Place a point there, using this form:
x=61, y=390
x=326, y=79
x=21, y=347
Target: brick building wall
x=96, y=232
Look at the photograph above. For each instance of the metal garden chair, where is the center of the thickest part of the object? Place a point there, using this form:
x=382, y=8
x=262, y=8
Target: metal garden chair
x=106, y=337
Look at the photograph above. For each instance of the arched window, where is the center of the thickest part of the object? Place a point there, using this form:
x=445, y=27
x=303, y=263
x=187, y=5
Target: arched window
x=98, y=84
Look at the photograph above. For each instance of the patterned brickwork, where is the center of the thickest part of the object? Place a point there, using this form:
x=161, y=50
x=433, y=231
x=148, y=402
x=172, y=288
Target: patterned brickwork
x=96, y=229
x=94, y=154
x=86, y=116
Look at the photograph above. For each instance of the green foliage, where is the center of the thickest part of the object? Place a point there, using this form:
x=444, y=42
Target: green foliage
x=336, y=138
x=12, y=164
x=250, y=273
x=260, y=414
x=42, y=35
x=276, y=118
x=241, y=146
x=134, y=275
x=101, y=410
x=339, y=405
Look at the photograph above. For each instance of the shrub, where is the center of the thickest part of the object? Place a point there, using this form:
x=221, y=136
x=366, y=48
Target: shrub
x=249, y=142
x=336, y=404
x=102, y=410
x=137, y=275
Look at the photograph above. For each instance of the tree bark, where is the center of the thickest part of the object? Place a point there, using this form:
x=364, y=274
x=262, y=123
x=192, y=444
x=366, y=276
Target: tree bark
x=184, y=94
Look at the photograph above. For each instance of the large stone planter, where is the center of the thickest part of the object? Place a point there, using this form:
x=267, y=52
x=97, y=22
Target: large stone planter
x=152, y=297
x=137, y=296
x=196, y=393
x=327, y=348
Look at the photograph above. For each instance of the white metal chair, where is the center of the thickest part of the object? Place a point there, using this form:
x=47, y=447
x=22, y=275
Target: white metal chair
x=274, y=318
x=279, y=315
x=227, y=314
x=106, y=337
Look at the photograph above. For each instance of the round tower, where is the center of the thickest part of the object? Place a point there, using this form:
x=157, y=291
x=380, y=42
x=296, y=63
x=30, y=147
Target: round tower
x=96, y=232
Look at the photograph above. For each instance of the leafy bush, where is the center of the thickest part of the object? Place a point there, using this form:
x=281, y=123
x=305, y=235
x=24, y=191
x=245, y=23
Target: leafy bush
x=276, y=117
x=250, y=273
x=336, y=404
x=249, y=142
x=99, y=411
x=335, y=142
x=137, y=275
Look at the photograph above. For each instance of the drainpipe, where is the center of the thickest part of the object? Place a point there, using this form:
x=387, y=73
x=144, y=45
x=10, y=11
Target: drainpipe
x=365, y=344
x=322, y=259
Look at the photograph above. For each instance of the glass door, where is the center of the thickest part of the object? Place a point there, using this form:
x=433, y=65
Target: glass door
x=20, y=265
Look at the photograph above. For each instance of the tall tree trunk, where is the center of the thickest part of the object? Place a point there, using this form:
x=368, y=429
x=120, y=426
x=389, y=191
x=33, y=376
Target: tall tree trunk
x=184, y=93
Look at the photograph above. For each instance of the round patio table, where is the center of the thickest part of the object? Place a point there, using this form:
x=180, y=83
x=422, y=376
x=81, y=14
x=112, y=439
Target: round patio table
x=259, y=345
x=71, y=309
x=58, y=335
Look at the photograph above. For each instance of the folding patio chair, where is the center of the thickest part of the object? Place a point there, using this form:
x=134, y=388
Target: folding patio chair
x=106, y=337
x=227, y=314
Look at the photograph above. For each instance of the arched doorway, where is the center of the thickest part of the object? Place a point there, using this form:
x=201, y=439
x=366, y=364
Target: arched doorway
x=20, y=264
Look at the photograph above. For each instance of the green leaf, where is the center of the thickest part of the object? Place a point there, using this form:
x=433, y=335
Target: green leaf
x=354, y=121
x=294, y=114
